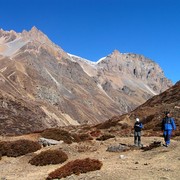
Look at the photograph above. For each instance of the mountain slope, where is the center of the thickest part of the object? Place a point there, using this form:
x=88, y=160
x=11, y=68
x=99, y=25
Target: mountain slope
x=69, y=90
x=152, y=111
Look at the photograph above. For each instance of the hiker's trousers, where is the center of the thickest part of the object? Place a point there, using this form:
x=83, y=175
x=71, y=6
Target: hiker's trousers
x=137, y=137
x=167, y=136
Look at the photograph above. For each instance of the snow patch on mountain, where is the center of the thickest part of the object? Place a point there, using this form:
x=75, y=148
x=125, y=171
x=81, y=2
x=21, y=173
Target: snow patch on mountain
x=101, y=59
x=81, y=59
x=86, y=60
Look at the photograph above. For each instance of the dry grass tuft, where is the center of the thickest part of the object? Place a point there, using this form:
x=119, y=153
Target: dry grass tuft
x=18, y=148
x=49, y=157
x=75, y=167
x=85, y=148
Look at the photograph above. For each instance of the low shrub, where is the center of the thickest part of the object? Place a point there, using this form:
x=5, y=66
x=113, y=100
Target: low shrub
x=85, y=137
x=18, y=147
x=107, y=124
x=153, y=145
x=82, y=137
x=49, y=157
x=105, y=137
x=75, y=167
x=177, y=133
x=3, y=148
x=57, y=134
x=95, y=133
x=125, y=126
x=86, y=127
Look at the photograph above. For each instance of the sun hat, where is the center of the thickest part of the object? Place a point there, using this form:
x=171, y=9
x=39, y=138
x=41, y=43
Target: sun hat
x=137, y=119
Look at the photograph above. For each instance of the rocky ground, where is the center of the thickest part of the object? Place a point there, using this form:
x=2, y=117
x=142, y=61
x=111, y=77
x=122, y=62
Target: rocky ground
x=158, y=163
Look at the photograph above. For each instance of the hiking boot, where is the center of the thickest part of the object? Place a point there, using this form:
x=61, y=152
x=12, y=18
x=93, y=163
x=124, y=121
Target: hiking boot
x=166, y=145
x=135, y=143
x=139, y=144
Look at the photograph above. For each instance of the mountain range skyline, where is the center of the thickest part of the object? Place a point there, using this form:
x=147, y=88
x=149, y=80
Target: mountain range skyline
x=56, y=88
x=94, y=29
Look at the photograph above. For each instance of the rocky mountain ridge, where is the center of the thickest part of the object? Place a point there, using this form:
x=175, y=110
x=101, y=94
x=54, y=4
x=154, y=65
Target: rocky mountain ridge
x=132, y=76
x=59, y=89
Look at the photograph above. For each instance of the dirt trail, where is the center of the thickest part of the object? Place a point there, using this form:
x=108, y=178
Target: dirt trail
x=159, y=163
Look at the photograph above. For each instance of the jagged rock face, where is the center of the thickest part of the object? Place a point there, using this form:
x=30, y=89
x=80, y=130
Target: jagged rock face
x=62, y=89
x=133, y=67
x=128, y=79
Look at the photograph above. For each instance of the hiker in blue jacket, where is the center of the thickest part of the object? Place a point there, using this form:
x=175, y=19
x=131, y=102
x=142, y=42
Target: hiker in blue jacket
x=168, y=125
x=137, y=132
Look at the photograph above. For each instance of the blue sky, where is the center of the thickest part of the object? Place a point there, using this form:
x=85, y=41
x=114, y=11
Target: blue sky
x=94, y=28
